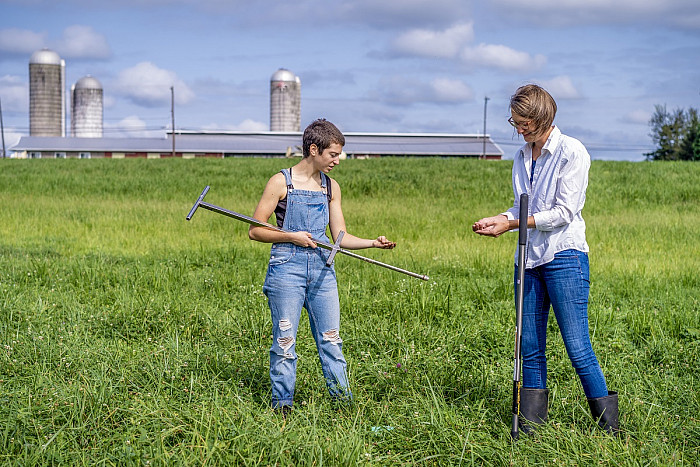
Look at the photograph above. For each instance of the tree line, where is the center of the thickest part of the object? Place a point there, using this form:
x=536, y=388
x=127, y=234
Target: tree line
x=676, y=135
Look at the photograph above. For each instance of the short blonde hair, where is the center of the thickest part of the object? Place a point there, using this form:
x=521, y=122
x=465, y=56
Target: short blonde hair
x=534, y=103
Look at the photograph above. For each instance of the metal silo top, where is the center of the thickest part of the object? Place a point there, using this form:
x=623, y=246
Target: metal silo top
x=283, y=75
x=88, y=82
x=45, y=57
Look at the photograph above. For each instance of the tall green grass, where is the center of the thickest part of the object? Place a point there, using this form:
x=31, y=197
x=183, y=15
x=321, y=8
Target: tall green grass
x=132, y=337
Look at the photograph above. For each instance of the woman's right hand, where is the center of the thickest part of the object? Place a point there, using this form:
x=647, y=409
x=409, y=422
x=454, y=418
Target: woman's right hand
x=491, y=226
x=303, y=239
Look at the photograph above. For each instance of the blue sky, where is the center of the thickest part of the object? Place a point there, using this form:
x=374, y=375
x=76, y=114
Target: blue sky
x=366, y=65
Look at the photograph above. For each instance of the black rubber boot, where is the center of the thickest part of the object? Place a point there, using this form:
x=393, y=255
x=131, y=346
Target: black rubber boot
x=605, y=412
x=284, y=410
x=533, y=409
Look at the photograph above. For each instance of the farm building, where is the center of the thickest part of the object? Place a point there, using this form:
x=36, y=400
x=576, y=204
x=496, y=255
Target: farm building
x=47, y=124
x=191, y=145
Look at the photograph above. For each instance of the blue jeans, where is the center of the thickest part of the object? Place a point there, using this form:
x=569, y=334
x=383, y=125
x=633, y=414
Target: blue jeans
x=299, y=277
x=562, y=283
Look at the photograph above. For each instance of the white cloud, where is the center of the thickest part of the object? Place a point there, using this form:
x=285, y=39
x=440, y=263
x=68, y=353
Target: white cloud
x=21, y=41
x=82, y=42
x=132, y=127
x=399, y=90
x=451, y=90
x=14, y=93
x=147, y=85
x=429, y=43
x=453, y=43
x=131, y=123
x=252, y=125
x=76, y=42
x=246, y=125
x=501, y=57
x=561, y=87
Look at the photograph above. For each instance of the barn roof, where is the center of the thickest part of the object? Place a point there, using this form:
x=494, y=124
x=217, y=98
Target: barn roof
x=273, y=143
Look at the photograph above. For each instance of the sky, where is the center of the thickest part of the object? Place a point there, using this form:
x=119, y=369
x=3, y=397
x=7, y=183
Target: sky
x=400, y=66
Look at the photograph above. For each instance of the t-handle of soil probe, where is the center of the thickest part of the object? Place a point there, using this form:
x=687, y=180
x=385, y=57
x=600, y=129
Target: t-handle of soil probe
x=199, y=201
x=336, y=247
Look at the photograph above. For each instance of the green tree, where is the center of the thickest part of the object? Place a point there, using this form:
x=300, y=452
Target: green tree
x=690, y=145
x=676, y=134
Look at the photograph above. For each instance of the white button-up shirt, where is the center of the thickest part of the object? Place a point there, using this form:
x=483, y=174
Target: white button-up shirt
x=556, y=196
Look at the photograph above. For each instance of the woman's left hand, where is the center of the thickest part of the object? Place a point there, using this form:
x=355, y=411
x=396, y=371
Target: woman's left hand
x=383, y=242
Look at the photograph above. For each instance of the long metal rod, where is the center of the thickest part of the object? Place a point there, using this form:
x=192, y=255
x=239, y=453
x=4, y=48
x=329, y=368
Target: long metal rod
x=520, y=290
x=249, y=220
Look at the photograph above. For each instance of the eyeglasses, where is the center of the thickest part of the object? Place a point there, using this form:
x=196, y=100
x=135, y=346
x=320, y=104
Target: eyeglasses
x=522, y=126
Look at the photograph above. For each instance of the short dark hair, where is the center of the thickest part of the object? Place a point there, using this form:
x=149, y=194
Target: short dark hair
x=322, y=133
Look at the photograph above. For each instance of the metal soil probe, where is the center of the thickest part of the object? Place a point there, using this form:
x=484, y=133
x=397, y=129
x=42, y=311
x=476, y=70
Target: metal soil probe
x=334, y=248
x=519, y=291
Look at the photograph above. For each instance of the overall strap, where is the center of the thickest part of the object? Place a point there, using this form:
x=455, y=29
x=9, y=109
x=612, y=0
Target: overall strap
x=281, y=208
x=288, y=178
x=326, y=185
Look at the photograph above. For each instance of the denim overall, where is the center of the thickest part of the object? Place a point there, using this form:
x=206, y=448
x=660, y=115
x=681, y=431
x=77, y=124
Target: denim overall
x=298, y=276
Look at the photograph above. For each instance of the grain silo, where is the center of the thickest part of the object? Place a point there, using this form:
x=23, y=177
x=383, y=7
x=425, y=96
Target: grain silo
x=86, y=108
x=285, y=101
x=47, y=103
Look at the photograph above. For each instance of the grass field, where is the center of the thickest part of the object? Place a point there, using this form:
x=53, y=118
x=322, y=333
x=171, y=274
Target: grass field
x=130, y=336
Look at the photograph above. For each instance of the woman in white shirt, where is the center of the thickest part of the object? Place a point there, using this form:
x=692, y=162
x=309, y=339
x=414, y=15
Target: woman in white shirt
x=553, y=170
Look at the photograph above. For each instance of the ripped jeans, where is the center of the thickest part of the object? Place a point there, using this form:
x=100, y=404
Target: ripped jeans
x=297, y=277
